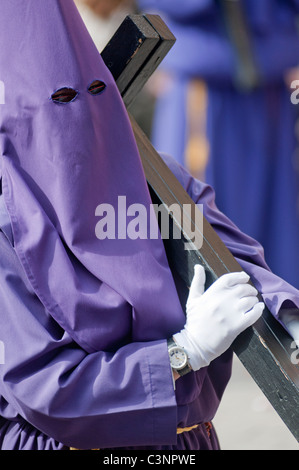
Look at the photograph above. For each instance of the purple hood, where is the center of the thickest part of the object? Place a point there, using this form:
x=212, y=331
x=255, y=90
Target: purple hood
x=59, y=161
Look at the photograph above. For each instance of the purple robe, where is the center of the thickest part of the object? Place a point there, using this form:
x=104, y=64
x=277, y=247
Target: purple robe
x=84, y=321
x=54, y=394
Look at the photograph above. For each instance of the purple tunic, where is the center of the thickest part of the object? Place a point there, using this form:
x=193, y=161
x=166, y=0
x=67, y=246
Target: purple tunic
x=84, y=321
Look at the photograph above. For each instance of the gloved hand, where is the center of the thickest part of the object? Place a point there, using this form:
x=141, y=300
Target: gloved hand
x=216, y=317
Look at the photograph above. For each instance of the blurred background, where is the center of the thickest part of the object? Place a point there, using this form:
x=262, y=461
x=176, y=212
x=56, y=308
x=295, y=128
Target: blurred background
x=220, y=104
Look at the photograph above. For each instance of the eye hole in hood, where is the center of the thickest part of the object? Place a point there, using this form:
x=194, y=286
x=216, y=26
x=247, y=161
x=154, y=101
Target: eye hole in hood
x=64, y=95
x=96, y=87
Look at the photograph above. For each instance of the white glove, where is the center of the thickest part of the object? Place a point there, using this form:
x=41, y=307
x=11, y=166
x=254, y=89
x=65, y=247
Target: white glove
x=290, y=319
x=216, y=317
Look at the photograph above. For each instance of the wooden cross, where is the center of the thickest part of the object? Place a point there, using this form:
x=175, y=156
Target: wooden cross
x=265, y=349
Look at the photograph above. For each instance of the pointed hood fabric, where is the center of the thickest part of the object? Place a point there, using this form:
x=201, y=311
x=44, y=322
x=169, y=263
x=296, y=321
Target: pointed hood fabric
x=59, y=161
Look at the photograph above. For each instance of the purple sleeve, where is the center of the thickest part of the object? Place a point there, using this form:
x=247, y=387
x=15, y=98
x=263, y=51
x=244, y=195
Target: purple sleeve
x=83, y=400
x=176, y=9
x=247, y=251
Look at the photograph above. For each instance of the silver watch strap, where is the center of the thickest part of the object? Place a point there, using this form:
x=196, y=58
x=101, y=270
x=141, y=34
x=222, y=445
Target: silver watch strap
x=170, y=343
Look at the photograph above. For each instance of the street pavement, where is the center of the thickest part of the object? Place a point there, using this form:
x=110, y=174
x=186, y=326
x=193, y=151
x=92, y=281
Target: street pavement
x=246, y=420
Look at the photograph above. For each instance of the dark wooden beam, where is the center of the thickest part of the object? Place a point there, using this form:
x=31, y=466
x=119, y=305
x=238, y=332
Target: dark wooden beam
x=264, y=349
x=135, y=51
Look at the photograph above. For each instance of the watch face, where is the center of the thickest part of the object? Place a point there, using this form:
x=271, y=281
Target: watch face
x=178, y=357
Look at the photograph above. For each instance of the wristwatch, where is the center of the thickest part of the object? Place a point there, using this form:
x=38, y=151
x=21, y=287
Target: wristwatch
x=178, y=358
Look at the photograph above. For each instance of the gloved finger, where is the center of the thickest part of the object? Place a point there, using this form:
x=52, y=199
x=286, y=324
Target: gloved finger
x=253, y=315
x=293, y=329
x=244, y=290
x=197, y=287
x=247, y=303
x=232, y=279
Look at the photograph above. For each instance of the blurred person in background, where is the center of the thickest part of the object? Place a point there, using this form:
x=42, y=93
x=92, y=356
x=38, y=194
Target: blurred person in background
x=103, y=17
x=224, y=111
